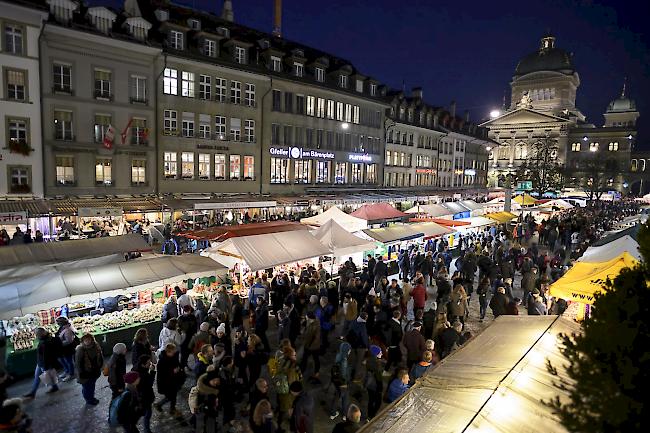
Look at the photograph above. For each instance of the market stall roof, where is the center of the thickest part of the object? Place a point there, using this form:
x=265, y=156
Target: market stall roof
x=339, y=241
x=378, y=212
x=525, y=199
x=633, y=232
x=431, y=229
x=63, y=251
x=584, y=279
x=54, y=288
x=226, y=232
x=495, y=382
x=451, y=223
x=347, y=221
x=558, y=203
x=394, y=233
x=454, y=207
x=471, y=204
x=434, y=210
x=476, y=222
x=502, y=217
x=269, y=250
x=612, y=250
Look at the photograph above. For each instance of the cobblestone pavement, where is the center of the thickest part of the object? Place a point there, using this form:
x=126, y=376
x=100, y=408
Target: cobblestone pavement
x=66, y=411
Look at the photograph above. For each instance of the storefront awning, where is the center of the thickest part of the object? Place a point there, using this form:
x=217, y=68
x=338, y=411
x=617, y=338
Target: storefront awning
x=55, y=288
x=431, y=229
x=347, y=221
x=219, y=234
x=265, y=251
x=33, y=208
x=502, y=217
x=339, y=241
x=378, y=212
x=64, y=251
x=496, y=382
x=394, y=233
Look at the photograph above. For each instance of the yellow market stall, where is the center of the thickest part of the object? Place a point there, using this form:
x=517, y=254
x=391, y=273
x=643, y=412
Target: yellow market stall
x=501, y=217
x=525, y=200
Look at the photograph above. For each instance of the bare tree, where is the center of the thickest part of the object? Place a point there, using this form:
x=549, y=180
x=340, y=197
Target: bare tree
x=542, y=167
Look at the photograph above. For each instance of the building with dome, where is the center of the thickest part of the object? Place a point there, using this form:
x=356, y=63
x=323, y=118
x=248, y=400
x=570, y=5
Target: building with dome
x=542, y=114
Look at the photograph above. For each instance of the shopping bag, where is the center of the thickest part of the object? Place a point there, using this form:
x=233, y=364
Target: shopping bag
x=49, y=377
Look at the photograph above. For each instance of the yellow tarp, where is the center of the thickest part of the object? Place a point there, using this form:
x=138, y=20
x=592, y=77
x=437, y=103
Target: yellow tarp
x=502, y=217
x=583, y=280
x=525, y=200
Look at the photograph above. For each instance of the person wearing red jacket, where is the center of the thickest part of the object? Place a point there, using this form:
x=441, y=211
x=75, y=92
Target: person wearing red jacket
x=419, y=294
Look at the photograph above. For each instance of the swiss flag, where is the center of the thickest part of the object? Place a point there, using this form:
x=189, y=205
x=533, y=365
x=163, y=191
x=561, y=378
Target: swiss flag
x=109, y=137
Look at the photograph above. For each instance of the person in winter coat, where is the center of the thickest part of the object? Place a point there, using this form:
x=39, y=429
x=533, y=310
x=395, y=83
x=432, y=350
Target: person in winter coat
x=443, y=289
x=499, y=302
x=302, y=413
x=169, y=377
x=170, y=310
x=421, y=367
x=147, y=373
x=350, y=311
x=341, y=380
x=451, y=338
x=482, y=292
x=294, y=319
x=89, y=361
x=117, y=369
x=536, y=306
x=512, y=307
x=414, y=343
x=262, y=418
x=260, y=392
x=262, y=322
x=47, y=353
x=201, y=312
x=284, y=326
x=207, y=415
x=222, y=336
x=69, y=342
x=169, y=334
x=203, y=360
x=374, y=383
x=200, y=338
x=288, y=367
x=528, y=282
x=359, y=342
x=419, y=294
x=394, y=335
x=130, y=409
x=398, y=386
x=188, y=326
x=141, y=345
x=325, y=315
x=352, y=422
x=458, y=307
x=256, y=357
x=312, y=345
x=380, y=271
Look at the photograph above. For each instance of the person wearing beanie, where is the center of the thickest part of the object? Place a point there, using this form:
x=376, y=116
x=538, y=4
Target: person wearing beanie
x=221, y=335
x=374, y=384
x=117, y=369
x=302, y=415
x=200, y=338
x=130, y=408
x=147, y=372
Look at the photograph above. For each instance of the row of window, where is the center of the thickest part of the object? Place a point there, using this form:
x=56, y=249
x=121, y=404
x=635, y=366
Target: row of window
x=138, y=133
x=66, y=175
x=217, y=130
x=542, y=94
x=289, y=135
x=314, y=171
x=209, y=88
x=403, y=159
x=103, y=83
x=323, y=108
x=207, y=166
x=593, y=147
x=14, y=36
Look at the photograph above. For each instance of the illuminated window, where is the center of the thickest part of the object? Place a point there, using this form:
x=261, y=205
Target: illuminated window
x=170, y=165
x=613, y=147
x=249, y=168
x=341, y=173
x=302, y=170
x=187, y=84
x=219, y=166
x=575, y=147
x=356, y=171
x=187, y=165
x=279, y=170
x=138, y=172
x=170, y=81
x=235, y=167
x=593, y=147
x=103, y=170
x=323, y=171
x=204, y=166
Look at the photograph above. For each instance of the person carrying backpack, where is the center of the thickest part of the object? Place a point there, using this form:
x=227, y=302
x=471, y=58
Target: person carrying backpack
x=340, y=378
x=128, y=404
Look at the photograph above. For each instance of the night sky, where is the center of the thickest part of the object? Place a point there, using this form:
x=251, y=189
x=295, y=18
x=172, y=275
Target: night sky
x=467, y=50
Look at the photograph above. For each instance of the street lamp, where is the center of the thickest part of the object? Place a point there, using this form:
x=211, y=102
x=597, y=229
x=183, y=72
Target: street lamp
x=494, y=114
x=345, y=125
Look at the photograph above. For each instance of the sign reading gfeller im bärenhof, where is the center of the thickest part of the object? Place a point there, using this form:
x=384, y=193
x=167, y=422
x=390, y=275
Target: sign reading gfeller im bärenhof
x=300, y=153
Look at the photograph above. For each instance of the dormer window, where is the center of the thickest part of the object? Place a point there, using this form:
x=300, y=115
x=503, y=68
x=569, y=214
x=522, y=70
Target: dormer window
x=373, y=90
x=298, y=53
x=101, y=18
x=319, y=73
x=240, y=55
x=360, y=86
x=210, y=47
x=298, y=69
x=276, y=64
x=194, y=24
x=410, y=115
x=162, y=15
x=223, y=31
x=402, y=112
x=343, y=81
x=176, y=39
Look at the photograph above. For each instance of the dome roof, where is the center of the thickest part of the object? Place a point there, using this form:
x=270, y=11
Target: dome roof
x=621, y=104
x=547, y=58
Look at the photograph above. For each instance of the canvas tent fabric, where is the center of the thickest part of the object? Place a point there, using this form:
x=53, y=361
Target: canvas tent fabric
x=48, y=252
x=502, y=217
x=525, y=200
x=612, y=250
x=476, y=222
x=268, y=250
x=494, y=383
x=393, y=233
x=54, y=288
x=471, y=204
x=557, y=203
x=431, y=229
x=339, y=241
x=433, y=210
x=378, y=212
x=632, y=232
x=451, y=223
x=347, y=221
x=454, y=207
x=584, y=279
x=222, y=233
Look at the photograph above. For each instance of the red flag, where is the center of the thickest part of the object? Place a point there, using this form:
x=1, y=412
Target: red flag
x=123, y=134
x=109, y=137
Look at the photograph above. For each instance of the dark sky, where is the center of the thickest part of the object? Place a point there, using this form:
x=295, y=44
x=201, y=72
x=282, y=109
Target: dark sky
x=467, y=50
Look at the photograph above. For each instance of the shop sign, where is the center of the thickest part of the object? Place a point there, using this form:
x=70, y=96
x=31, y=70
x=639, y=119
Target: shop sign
x=302, y=203
x=100, y=211
x=524, y=185
x=300, y=153
x=235, y=205
x=359, y=157
x=470, y=172
x=425, y=170
x=13, y=217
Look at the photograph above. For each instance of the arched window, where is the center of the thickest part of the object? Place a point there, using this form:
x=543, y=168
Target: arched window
x=521, y=151
x=593, y=147
x=634, y=165
x=642, y=164
x=613, y=146
x=575, y=147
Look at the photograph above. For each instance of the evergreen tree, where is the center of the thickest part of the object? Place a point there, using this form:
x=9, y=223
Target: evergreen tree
x=609, y=362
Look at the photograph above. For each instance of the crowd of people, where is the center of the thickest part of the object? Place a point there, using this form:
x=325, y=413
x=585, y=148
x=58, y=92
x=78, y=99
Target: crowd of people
x=255, y=365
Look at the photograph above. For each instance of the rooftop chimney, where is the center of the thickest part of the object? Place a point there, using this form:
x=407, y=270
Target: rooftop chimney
x=227, y=12
x=417, y=92
x=277, y=23
x=452, y=109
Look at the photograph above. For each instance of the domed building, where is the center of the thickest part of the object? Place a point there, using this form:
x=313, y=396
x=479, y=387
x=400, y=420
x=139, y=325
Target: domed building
x=543, y=122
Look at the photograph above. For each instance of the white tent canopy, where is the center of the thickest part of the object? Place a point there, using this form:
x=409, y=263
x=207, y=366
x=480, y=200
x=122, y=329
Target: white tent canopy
x=431, y=229
x=611, y=250
x=393, y=233
x=339, y=241
x=347, y=221
x=558, y=203
x=433, y=210
x=54, y=288
x=494, y=383
x=268, y=250
x=476, y=222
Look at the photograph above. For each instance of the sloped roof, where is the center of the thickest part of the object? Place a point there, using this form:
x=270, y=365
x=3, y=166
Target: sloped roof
x=378, y=212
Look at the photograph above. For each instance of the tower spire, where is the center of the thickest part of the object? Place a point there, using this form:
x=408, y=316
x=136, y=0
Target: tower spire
x=624, y=86
x=227, y=12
